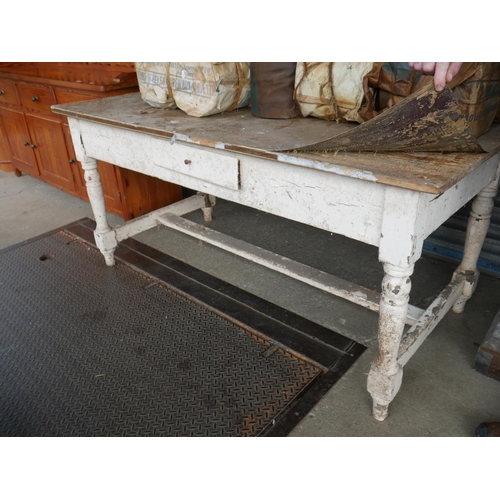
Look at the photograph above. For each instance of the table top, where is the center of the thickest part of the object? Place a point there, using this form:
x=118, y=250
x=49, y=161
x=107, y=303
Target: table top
x=241, y=132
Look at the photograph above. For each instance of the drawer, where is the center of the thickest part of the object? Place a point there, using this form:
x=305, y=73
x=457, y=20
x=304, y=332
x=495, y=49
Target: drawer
x=37, y=97
x=192, y=166
x=8, y=93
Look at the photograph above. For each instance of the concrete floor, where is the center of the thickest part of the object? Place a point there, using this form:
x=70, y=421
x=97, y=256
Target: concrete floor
x=441, y=394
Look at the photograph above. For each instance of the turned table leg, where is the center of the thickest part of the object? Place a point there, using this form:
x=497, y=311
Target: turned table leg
x=105, y=237
x=208, y=209
x=477, y=227
x=385, y=377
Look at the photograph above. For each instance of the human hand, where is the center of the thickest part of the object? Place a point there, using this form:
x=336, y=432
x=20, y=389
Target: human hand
x=443, y=71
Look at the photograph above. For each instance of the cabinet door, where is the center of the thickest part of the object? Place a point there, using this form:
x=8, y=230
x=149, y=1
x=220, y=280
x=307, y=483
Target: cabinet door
x=51, y=153
x=5, y=154
x=16, y=130
x=112, y=188
x=144, y=194
x=8, y=93
x=80, y=188
x=109, y=179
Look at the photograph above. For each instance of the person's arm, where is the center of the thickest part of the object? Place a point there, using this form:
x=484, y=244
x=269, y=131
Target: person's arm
x=443, y=71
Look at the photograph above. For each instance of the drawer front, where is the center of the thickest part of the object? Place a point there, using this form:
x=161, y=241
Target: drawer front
x=37, y=98
x=208, y=166
x=172, y=161
x=8, y=93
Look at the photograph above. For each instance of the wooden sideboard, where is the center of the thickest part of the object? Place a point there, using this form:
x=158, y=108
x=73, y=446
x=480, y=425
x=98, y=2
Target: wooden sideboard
x=36, y=141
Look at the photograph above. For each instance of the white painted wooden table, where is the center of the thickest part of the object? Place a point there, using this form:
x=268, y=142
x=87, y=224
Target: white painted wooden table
x=393, y=201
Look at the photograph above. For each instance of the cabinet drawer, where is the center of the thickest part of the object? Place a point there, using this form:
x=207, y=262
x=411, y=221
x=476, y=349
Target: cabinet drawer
x=37, y=98
x=8, y=92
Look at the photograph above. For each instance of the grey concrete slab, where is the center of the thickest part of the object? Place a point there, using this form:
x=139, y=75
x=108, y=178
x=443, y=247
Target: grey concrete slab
x=29, y=207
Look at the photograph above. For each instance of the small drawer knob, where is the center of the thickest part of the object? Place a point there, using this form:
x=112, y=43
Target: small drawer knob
x=26, y=143
x=2, y=92
x=34, y=98
x=187, y=162
x=33, y=146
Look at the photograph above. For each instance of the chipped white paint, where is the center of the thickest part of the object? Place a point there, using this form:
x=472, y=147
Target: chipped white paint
x=477, y=227
x=162, y=158
x=416, y=335
x=145, y=222
x=304, y=162
x=182, y=138
x=350, y=203
x=105, y=237
x=301, y=272
x=311, y=196
x=384, y=379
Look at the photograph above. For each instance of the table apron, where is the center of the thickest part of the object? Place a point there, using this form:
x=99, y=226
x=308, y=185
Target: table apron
x=395, y=219
x=326, y=200
x=443, y=206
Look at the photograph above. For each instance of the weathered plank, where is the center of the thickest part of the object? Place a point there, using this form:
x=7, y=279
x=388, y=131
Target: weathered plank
x=416, y=335
x=301, y=272
x=426, y=120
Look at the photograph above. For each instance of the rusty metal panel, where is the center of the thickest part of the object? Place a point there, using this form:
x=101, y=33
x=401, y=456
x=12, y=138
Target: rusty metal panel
x=88, y=350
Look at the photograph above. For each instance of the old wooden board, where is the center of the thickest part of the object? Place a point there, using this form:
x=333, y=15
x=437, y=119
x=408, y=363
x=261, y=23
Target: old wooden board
x=237, y=128
x=239, y=131
x=427, y=120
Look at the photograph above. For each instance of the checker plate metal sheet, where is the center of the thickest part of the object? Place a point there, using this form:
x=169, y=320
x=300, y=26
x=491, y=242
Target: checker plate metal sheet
x=91, y=350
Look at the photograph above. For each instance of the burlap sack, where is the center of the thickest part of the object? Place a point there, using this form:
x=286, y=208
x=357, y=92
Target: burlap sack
x=479, y=97
x=203, y=89
x=331, y=90
x=152, y=78
x=476, y=88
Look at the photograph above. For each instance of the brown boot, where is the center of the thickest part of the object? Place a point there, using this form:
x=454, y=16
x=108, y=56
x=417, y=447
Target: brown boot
x=488, y=429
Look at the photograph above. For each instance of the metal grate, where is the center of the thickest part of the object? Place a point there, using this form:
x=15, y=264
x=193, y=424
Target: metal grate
x=88, y=350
